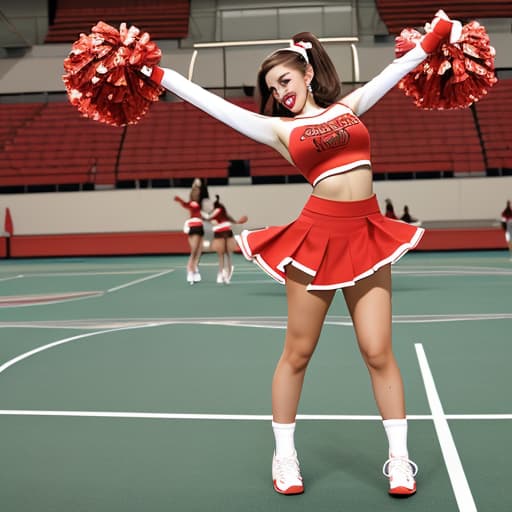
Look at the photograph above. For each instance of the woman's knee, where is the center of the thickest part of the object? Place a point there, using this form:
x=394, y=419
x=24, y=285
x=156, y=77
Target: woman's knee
x=298, y=354
x=377, y=357
x=297, y=361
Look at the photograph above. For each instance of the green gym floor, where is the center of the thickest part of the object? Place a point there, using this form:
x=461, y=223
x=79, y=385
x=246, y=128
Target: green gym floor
x=123, y=388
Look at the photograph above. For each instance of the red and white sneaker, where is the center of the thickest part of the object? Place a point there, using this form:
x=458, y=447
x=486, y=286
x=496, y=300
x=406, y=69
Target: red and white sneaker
x=401, y=472
x=286, y=475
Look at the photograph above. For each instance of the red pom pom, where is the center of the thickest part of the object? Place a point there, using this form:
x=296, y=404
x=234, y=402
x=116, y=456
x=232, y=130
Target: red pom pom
x=456, y=75
x=102, y=78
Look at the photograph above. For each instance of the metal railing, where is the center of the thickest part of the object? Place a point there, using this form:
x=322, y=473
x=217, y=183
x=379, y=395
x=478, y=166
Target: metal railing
x=265, y=42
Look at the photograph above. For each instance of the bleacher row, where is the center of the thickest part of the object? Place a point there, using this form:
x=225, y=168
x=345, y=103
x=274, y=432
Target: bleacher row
x=51, y=144
x=397, y=14
x=163, y=19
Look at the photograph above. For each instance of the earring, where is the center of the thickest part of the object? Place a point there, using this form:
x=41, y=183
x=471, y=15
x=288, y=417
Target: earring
x=310, y=89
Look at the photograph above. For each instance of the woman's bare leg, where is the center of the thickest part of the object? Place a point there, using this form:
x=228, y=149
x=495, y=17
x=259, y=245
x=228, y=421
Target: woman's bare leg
x=196, y=247
x=369, y=303
x=231, y=247
x=218, y=247
x=306, y=314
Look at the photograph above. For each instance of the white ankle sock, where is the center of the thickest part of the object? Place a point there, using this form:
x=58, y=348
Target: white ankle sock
x=396, y=431
x=284, y=437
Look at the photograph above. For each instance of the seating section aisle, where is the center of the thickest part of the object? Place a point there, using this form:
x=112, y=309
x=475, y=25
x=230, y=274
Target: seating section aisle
x=163, y=19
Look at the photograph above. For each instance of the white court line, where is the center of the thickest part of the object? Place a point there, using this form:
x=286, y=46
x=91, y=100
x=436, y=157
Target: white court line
x=87, y=296
x=86, y=273
x=263, y=322
x=70, y=298
x=435, y=268
x=236, y=417
x=193, y=416
x=137, y=281
x=25, y=355
x=179, y=416
x=11, y=278
x=454, y=272
x=449, y=450
x=478, y=416
x=259, y=281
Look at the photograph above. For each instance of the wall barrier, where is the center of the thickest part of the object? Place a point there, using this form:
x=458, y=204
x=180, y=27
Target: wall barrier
x=172, y=242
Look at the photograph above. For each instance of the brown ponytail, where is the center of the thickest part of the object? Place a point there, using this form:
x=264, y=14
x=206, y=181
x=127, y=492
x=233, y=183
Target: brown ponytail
x=326, y=83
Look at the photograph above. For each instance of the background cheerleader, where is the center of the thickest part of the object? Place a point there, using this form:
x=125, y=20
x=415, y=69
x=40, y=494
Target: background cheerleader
x=506, y=223
x=223, y=242
x=194, y=227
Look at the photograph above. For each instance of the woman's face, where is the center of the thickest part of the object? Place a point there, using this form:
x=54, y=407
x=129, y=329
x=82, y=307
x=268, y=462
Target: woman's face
x=288, y=87
x=195, y=193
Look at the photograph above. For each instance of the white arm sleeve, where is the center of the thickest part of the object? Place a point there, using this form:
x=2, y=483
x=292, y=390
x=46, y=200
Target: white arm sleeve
x=255, y=126
x=364, y=98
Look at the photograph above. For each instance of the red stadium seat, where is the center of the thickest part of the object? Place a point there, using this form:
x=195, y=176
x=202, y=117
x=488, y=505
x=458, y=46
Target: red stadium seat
x=422, y=140
x=176, y=140
x=163, y=19
x=494, y=113
x=398, y=15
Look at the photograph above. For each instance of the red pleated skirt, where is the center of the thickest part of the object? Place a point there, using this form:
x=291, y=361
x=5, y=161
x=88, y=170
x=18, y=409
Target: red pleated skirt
x=335, y=242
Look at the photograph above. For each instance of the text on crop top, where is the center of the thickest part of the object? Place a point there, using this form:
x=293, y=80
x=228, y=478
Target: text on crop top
x=332, y=142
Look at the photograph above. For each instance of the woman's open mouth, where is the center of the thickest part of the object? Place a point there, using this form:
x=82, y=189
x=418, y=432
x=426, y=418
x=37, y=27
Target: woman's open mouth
x=289, y=101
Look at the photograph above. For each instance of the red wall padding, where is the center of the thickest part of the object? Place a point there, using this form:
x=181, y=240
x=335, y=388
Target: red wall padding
x=99, y=244
x=460, y=239
x=118, y=244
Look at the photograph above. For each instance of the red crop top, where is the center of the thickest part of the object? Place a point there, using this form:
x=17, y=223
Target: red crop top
x=329, y=143
x=194, y=209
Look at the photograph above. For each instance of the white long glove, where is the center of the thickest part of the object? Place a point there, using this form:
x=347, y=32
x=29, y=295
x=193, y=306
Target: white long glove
x=251, y=124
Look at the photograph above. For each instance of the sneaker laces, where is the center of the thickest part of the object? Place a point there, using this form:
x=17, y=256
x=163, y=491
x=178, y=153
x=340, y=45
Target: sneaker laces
x=403, y=465
x=287, y=468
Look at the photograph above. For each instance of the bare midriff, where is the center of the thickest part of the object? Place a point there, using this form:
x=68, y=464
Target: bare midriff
x=354, y=185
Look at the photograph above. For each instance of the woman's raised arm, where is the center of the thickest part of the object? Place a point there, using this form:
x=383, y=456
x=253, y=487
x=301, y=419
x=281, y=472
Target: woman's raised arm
x=255, y=126
x=365, y=97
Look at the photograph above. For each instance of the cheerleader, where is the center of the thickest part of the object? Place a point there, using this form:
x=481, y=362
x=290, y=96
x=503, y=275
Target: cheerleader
x=340, y=240
x=407, y=217
x=223, y=239
x=506, y=224
x=194, y=227
x=389, y=209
